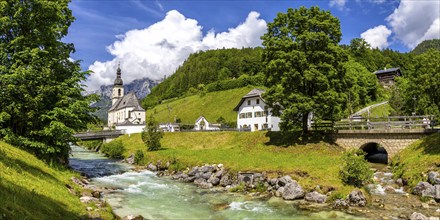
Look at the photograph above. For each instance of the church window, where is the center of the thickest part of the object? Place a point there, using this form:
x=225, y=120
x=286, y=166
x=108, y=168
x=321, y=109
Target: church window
x=119, y=92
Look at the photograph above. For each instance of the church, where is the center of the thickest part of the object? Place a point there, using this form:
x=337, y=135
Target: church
x=125, y=113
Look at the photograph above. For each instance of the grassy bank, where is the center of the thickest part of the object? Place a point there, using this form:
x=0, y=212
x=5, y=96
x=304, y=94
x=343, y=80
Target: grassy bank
x=30, y=189
x=311, y=164
x=414, y=162
x=212, y=105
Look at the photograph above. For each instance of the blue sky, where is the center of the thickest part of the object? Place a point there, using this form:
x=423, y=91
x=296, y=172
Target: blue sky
x=151, y=38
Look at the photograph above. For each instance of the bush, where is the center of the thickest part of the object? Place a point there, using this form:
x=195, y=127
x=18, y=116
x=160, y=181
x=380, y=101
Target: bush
x=355, y=169
x=138, y=157
x=152, y=134
x=91, y=145
x=114, y=149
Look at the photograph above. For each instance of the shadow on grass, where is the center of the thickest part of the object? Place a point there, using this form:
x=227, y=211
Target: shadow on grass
x=22, y=203
x=430, y=144
x=286, y=139
x=21, y=166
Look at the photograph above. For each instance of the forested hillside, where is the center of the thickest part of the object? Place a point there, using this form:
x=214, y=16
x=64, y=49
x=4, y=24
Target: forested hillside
x=229, y=68
x=426, y=45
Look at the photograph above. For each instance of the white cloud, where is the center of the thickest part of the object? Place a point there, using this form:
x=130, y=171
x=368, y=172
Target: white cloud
x=377, y=36
x=340, y=4
x=415, y=21
x=159, y=49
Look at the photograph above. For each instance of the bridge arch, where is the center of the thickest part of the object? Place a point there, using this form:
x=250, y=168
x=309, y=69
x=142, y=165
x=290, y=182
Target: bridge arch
x=375, y=152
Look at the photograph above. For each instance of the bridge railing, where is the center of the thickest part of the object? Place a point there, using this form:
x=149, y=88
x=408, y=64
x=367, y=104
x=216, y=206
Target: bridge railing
x=383, y=123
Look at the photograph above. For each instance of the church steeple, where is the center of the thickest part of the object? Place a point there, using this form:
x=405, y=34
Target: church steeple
x=118, y=88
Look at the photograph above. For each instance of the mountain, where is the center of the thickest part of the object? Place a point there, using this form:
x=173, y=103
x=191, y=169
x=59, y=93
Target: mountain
x=426, y=45
x=142, y=87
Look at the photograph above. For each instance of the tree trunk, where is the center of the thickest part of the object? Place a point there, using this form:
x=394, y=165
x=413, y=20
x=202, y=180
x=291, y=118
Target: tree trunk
x=305, y=126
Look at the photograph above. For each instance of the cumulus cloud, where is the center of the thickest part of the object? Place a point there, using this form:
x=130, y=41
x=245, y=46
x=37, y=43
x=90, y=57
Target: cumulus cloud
x=377, y=36
x=415, y=21
x=340, y=4
x=159, y=49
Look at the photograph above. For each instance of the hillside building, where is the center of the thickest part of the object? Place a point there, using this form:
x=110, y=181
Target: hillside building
x=125, y=113
x=386, y=76
x=202, y=124
x=253, y=114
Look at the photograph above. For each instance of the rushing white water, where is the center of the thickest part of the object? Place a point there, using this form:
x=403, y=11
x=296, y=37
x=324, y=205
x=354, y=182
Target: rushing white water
x=143, y=193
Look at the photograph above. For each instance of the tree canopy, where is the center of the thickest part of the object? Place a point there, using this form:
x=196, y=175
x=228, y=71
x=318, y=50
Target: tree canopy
x=41, y=104
x=304, y=66
x=426, y=45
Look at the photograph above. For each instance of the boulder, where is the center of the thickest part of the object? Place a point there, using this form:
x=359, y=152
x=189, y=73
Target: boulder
x=433, y=192
x=434, y=178
x=188, y=179
x=293, y=191
x=273, y=182
x=340, y=203
x=206, y=169
x=151, y=167
x=399, y=182
x=357, y=198
x=202, y=183
x=214, y=180
x=132, y=217
x=130, y=159
x=420, y=187
x=206, y=175
x=193, y=171
x=96, y=194
x=225, y=180
x=417, y=216
x=315, y=197
x=282, y=181
x=279, y=192
x=220, y=173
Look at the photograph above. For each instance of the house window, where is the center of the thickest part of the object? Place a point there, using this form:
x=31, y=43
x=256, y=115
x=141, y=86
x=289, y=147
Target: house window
x=242, y=115
x=258, y=114
x=249, y=102
x=249, y=115
x=265, y=126
x=258, y=101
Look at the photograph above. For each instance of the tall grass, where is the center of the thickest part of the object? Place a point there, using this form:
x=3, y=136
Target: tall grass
x=31, y=189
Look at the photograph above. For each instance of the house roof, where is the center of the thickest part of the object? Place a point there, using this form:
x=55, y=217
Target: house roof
x=201, y=118
x=129, y=100
x=390, y=70
x=251, y=94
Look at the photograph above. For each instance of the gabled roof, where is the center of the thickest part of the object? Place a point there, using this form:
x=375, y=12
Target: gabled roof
x=390, y=70
x=129, y=100
x=201, y=118
x=251, y=94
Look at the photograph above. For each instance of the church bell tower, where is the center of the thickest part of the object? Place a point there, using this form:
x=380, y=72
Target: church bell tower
x=118, y=87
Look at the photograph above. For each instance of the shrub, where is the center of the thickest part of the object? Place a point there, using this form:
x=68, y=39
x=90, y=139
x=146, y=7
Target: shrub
x=152, y=134
x=91, y=145
x=114, y=149
x=138, y=157
x=355, y=169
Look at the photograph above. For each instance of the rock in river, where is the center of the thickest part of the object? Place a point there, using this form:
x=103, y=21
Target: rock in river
x=315, y=197
x=292, y=191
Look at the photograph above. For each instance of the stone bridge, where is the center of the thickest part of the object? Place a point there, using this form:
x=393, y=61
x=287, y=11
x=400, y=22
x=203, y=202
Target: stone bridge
x=392, y=140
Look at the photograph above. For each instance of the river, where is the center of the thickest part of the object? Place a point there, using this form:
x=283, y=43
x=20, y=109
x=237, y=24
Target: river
x=143, y=193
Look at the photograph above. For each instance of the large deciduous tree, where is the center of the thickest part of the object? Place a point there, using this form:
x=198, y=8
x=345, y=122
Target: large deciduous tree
x=303, y=66
x=41, y=104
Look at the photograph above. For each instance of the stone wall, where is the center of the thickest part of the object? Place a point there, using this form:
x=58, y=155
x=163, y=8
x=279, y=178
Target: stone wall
x=392, y=142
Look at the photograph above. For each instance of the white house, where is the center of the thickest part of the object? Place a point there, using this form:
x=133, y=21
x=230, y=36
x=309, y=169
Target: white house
x=169, y=127
x=254, y=114
x=125, y=113
x=203, y=124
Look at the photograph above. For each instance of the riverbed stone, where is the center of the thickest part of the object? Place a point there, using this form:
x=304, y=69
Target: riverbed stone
x=220, y=173
x=225, y=180
x=356, y=198
x=202, y=183
x=132, y=217
x=130, y=159
x=434, y=178
x=433, y=192
x=78, y=182
x=206, y=169
x=418, y=216
x=151, y=167
x=282, y=181
x=188, y=179
x=279, y=192
x=293, y=191
x=273, y=182
x=315, y=197
x=193, y=171
x=214, y=180
x=420, y=187
x=206, y=175
x=340, y=203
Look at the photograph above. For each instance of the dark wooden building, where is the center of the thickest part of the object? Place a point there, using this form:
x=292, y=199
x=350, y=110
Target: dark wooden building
x=386, y=76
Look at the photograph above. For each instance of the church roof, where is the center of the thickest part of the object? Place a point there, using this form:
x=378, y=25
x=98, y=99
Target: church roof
x=127, y=101
x=251, y=94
